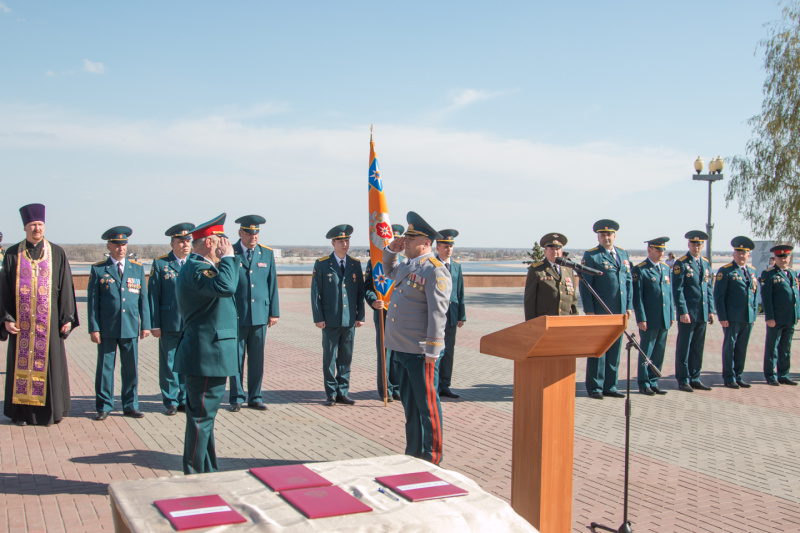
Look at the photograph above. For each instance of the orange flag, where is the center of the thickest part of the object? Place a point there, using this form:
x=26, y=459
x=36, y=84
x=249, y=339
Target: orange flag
x=380, y=229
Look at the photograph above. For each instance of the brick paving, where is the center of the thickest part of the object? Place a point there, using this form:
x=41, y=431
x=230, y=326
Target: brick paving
x=722, y=460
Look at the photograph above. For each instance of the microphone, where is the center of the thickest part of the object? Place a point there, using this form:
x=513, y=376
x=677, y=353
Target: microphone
x=577, y=267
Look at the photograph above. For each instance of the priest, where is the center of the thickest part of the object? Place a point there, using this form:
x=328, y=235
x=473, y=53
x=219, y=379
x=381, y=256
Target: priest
x=37, y=306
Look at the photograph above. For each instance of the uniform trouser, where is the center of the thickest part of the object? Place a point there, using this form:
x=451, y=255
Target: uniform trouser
x=421, y=404
x=173, y=390
x=392, y=372
x=446, y=358
x=337, y=354
x=251, y=340
x=654, y=343
x=203, y=396
x=734, y=350
x=778, y=349
x=104, y=375
x=689, y=351
x=601, y=372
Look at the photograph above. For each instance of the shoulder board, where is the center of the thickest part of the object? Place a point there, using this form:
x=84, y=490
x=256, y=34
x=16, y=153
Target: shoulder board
x=454, y=261
x=681, y=258
x=135, y=262
x=537, y=264
x=728, y=265
x=640, y=265
x=769, y=269
x=593, y=249
x=356, y=259
x=706, y=260
x=619, y=248
x=267, y=247
x=99, y=263
x=436, y=262
x=323, y=258
x=162, y=257
x=663, y=263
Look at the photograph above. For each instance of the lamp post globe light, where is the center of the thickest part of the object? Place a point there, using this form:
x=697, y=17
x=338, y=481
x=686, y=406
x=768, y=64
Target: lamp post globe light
x=714, y=174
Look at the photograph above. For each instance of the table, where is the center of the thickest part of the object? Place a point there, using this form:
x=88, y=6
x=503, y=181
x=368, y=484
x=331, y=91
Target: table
x=133, y=509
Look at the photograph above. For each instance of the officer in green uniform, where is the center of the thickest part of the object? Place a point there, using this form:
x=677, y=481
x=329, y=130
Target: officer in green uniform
x=781, y=301
x=415, y=331
x=694, y=307
x=654, y=310
x=119, y=312
x=392, y=370
x=456, y=313
x=258, y=308
x=166, y=320
x=615, y=288
x=550, y=289
x=735, y=301
x=206, y=354
x=337, y=306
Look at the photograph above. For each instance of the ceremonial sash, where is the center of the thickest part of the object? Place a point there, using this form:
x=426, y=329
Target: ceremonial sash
x=33, y=297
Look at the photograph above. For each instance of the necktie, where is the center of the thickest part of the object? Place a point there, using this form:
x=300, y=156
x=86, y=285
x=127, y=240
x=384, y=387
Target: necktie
x=342, y=265
x=120, y=269
x=746, y=277
x=448, y=266
x=180, y=264
x=249, y=254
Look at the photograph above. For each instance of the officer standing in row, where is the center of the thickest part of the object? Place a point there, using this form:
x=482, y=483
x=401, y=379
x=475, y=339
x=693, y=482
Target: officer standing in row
x=694, y=307
x=337, y=306
x=550, y=289
x=392, y=372
x=166, y=320
x=655, y=312
x=415, y=331
x=119, y=312
x=781, y=301
x=258, y=309
x=735, y=301
x=616, y=290
x=456, y=313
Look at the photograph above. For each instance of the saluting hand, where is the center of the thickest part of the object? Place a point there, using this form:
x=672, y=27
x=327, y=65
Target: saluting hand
x=398, y=244
x=224, y=247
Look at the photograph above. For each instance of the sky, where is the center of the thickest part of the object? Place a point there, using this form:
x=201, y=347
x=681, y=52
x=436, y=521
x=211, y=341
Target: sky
x=502, y=120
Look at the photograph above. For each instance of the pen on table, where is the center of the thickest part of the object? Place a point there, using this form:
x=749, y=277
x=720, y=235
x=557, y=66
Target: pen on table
x=392, y=496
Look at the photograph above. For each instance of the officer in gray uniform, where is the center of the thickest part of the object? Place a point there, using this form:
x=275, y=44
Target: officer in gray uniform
x=415, y=332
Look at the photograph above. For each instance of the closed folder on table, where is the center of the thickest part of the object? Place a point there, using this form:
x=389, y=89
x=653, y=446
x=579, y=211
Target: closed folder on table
x=321, y=502
x=198, y=511
x=421, y=486
x=288, y=477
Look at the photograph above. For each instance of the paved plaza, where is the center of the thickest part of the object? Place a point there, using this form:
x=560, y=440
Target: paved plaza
x=723, y=460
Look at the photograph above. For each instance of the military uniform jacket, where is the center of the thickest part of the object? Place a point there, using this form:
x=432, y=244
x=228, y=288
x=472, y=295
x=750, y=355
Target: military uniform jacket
x=615, y=286
x=257, y=288
x=337, y=299
x=208, y=345
x=547, y=293
x=652, y=295
x=779, y=296
x=457, y=310
x=691, y=288
x=161, y=290
x=735, y=293
x=420, y=300
x=117, y=308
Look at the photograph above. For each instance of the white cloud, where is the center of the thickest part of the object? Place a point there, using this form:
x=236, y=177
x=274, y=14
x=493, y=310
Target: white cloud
x=4, y=8
x=50, y=73
x=93, y=67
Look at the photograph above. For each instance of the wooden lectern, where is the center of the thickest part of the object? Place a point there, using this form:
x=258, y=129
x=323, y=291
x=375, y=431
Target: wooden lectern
x=544, y=351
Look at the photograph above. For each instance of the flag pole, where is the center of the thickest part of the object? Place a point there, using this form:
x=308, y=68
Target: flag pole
x=384, y=370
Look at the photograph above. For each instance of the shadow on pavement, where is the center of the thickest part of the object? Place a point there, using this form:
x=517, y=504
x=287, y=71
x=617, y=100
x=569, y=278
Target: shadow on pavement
x=38, y=484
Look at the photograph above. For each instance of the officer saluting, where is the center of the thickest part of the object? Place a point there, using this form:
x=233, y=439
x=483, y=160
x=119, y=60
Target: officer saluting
x=551, y=289
x=735, y=301
x=781, y=300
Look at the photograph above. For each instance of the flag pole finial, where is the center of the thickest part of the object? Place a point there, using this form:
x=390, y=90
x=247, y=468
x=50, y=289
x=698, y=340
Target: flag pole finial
x=370, y=132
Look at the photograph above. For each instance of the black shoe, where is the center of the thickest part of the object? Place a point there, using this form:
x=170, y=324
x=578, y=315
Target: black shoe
x=330, y=402
x=258, y=406
x=646, y=391
x=742, y=383
x=101, y=415
x=773, y=382
x=172, y=410
x=134, y=413
x=657, y=390
x=732, y=385
x=182, y=408
x=596, y=395
x=685, y=387
x=697, y=385
x=614, y=394
x=396, y=396
x=235, y=407
x=786, y=381
x=447, y=393
x=345, y=400
x=20, y=423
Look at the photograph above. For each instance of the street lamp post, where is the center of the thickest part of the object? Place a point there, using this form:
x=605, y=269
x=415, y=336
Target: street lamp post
x=714, y=174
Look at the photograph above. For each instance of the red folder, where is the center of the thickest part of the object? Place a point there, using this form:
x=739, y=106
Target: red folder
x=421, y=486
x=199, y=511
x=321, y=502
x=280, y=478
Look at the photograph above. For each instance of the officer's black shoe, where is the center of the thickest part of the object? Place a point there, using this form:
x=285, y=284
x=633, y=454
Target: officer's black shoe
x=596, y=395
x=647, y=391
x=786, y=381
x=330, y=402
x=20, y=423
x=396, y=396
x=657, y=390
x=698, y=385
x=773, y=382
x=182, y=408
x=172, y=410
x=742, y=383
x=235, y=408
x=685, y=387
x=258, y=406
x=447, y=393
x=101, y=415
x=134, y=413
x=732, y=385
x=614, y=394
x=345, y=400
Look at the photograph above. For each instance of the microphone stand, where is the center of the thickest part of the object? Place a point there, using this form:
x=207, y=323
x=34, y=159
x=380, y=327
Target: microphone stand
x=626, y=525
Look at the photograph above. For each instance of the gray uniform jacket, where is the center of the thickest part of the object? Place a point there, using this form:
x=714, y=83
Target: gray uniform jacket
x=419, y=303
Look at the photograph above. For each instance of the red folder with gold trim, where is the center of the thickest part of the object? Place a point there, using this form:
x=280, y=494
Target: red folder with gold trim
x=421, y=486
x=288, y=477
x=321, y=502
